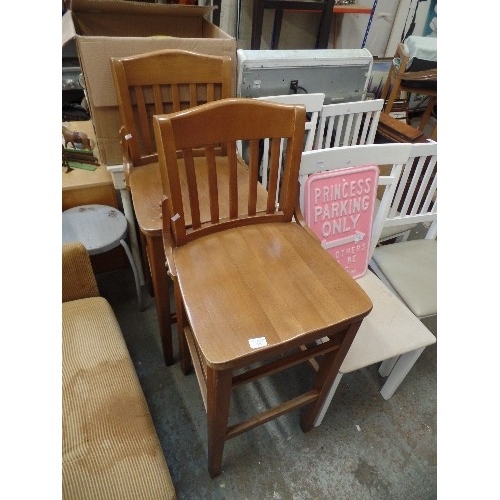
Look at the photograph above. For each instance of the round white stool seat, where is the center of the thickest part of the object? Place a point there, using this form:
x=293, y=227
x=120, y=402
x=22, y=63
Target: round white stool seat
x=99, y=228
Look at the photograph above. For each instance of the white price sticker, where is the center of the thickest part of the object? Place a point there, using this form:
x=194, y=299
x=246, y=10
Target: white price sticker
x=257, y=342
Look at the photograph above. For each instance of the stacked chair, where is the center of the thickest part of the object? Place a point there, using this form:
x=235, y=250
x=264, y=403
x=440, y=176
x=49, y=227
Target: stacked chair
x=156, y=83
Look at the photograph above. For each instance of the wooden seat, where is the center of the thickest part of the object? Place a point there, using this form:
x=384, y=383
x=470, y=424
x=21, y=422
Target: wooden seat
x=256, y=289
x=259, y=6
x=156, y=83
x=400, y=79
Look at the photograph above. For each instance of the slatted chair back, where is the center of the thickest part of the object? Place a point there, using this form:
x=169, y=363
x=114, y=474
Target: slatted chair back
x=411, y=192
x=213, y=130
x=348, y=124
x=162, y=82
x=313, y=104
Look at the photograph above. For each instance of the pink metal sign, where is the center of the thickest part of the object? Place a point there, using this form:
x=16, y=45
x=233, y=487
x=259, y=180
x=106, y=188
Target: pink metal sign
x=339, y=208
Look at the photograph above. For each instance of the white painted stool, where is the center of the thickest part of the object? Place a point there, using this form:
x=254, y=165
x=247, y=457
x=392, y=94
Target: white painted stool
x=99, y=228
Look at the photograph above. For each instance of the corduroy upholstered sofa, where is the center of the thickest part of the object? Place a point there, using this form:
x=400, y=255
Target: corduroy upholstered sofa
x=110, y=446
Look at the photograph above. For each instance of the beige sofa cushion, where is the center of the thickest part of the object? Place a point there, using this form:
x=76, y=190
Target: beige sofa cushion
x=110, y=446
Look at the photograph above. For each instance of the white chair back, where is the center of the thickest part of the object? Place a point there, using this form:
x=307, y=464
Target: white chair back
x=313, y=104
x=348, y=124
x=411, y=192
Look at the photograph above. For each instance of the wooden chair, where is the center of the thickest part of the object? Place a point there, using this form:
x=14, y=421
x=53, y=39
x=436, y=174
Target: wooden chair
x=259, y=6
x=400, y=79
x=256, y=289
x=156, y=83
x=391, y=334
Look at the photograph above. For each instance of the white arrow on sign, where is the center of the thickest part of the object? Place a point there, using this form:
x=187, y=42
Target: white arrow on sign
x=358, y=236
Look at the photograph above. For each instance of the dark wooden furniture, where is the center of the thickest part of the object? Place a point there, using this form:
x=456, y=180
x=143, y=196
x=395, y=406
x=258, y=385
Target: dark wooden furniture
x=394, y=130
x=256, y=290
x=400, y=80
x=323, y=6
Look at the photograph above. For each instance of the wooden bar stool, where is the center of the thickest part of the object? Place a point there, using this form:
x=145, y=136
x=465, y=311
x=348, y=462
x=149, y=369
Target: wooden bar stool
x=256, y=290
x=324, y=6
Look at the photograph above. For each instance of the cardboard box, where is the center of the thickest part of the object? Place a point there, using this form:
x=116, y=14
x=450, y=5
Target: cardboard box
x=117, y=28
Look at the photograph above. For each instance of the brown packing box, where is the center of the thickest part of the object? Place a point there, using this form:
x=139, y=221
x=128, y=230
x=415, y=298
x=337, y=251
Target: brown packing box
x=117, y=28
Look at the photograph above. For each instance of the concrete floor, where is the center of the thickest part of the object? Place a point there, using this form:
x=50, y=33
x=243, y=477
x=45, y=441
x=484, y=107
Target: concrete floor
x=365, y=448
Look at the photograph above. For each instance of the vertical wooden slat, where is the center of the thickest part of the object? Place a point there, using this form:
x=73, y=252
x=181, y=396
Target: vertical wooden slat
x=274, y=164
x=233, y=179
x=193, y=95
x=192, y=188
x=159, y=110
x=210, y=92
x=265, y=162
x=283, y=147
x=176, y=100
x=142, y=114
x=170, y=181
x=213, y=193
x=253, y=173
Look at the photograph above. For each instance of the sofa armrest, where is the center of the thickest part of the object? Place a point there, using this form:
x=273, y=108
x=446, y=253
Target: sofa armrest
x=78, y=280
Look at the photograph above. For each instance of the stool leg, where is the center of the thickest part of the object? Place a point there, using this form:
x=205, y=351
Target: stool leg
x=387, y=365
x=216, y=12
x=136, y=274
x=325, y=377
x=184, y=354
x=427, y=113
x=325, y=25
x=399, y=372
x=257, y=20
x=328, y=400
x=161, y=281
x=129, y=215
x=218, y=398
x=278, y=19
